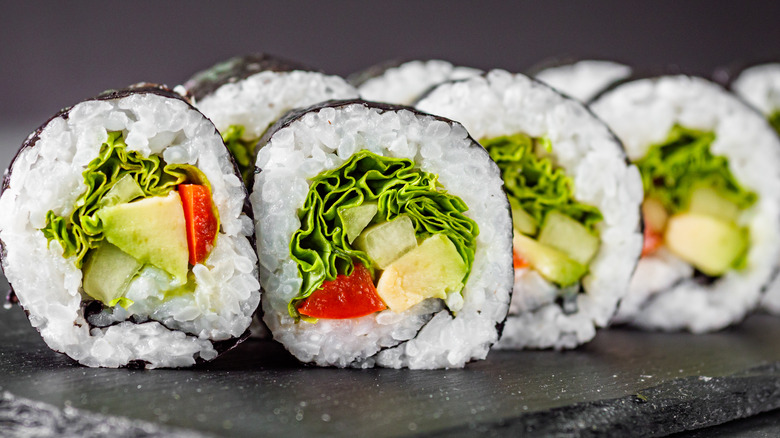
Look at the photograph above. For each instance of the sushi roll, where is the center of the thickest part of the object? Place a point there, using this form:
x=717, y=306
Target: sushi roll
x=584, y=79
x=124, y=234
x=759, y=86
x=385, y=237
x=575, y=204
x=710, y=170
x=245, y=95
x=403, y=83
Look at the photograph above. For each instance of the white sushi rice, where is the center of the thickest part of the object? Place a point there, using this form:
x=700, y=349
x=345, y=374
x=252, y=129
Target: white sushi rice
x=427, y=335
x=405, y=83
x=48, y=176
x=663, y=294
x=501, y=103
x=760, y=87
x=583, y=80
x=261, y=99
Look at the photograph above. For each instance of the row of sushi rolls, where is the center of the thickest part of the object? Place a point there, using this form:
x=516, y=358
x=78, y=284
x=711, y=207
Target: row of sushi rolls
x=414, y=215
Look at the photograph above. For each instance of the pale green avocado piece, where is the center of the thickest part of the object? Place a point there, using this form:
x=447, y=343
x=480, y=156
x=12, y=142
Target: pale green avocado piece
x=552, y=264
x=152, y=230
x=654, y=214
x=355, y=219
x=709, y=244
x=430, y=270
x=521, y=220
x=386, y=242
x=107, y=272
x=124, y=190
x=569, y=236
x=707, y=201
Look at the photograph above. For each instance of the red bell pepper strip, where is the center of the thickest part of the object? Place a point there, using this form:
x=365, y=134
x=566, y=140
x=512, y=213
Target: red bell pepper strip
x=201, y=221
x=345, y=297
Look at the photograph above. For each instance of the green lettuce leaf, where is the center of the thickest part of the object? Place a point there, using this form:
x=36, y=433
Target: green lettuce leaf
x=321, y=247
x=534, y=183
x=243, y=151
x=672, y=169
x=774, y=120
x=82, y=230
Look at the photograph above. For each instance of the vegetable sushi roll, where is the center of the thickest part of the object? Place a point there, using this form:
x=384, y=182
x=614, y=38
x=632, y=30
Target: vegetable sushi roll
x=245, y=95
x=759, y=86
x=575, y=204
x=583, y=80
x=124, y=235
x=385, y=236
x=404, y=83
x=709, y=166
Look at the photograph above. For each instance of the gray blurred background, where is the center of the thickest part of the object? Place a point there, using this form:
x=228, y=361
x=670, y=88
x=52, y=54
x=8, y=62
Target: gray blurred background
x=54, y=54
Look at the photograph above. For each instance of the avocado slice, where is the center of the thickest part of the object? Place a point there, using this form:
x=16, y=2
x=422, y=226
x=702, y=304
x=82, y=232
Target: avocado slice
x=430, y=270
x=386, y=242
x=569, y=236
x=357, y=218
x=152, y=230
x=107, y=272
x=552, y=264
x=708, y=201
x=709, y=244
x=654, y=214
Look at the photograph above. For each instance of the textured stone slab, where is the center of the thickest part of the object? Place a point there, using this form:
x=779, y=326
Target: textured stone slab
x=624, y=383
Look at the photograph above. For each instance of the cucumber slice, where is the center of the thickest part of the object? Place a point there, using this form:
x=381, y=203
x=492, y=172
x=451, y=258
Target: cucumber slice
x=107, y=272
x=707, y=201
x=569, y=236
x=522, y=221
x=124, y=190
x=551, y=263
x=710, y=244
x=385, y=243
x=355, y=219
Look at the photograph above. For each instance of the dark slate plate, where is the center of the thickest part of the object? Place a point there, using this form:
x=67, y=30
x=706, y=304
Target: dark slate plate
x=623, y=383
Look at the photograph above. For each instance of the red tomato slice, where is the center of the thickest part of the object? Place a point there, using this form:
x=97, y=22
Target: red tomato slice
x=519, y=261
x=653, y=241
x=345, y=297
x=201, y=222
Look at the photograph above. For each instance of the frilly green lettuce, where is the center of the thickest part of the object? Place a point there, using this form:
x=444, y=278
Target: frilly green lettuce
x=534, y=183
x=672, y=169
x=82, y=230
x=321, y=248
x=774, y=120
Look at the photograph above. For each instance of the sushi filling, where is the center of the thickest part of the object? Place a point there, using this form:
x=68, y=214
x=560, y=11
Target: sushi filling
x=554, y=234
x=694, y=206
x=774, y=120
x=242, y=149
x=377, y=233
x=139, y=217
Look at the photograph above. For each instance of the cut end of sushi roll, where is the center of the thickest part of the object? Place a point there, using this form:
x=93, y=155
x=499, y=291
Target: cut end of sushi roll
x=124, y=234
x=245, y=95
x=386, y=238
x=709, y=167
x=575, y=204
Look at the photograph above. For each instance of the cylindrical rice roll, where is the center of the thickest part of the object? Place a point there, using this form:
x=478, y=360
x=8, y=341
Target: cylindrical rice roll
x=245, y=95
x=124, y=234
x=712, y=226
x=759, y=86
x=403, y=83
x=575, y=203
x=429, y=220
x=583, y=79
